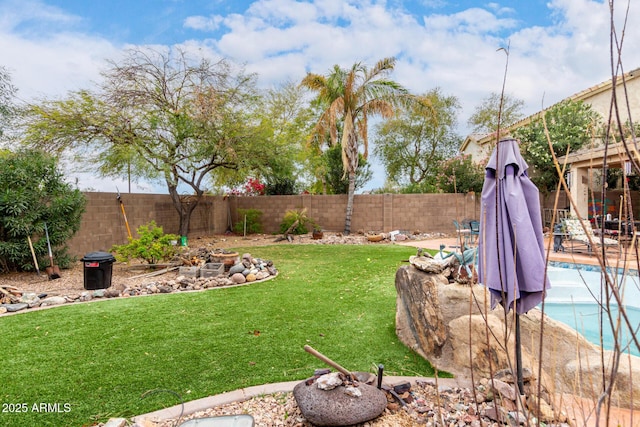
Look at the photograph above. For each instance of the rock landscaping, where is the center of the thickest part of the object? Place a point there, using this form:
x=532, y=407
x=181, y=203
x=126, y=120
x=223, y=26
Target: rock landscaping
x=419, y=402
x=238, y=270
x=332, y=399
x=195, y=270
x=432, y=285
x=446, y=322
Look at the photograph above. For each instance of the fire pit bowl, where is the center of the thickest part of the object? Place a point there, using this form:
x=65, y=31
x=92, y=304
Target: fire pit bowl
x=226, y=258
x=345, y=404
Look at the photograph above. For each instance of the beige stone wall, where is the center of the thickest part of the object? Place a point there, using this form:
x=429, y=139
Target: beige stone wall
x=375, y=213
x=103, y=224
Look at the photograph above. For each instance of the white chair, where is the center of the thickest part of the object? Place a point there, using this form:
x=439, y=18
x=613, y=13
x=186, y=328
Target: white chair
x=580, y=237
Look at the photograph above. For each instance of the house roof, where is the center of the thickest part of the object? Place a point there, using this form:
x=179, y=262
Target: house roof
x=590, y=156
x=583, y=95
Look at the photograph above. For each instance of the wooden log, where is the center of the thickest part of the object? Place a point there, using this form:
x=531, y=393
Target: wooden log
x=329, y=362
x=8, y=295
x=155, y=273
x=287, y=234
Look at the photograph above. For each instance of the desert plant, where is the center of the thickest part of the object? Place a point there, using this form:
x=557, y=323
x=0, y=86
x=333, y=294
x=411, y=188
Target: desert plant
x=299, y=215
x=152, y=246
x=250, y=221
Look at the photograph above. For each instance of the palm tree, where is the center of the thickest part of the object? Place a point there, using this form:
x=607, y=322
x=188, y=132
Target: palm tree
x=352, y=96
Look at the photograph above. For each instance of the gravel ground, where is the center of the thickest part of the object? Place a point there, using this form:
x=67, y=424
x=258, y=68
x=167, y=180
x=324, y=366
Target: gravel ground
x=280, y=409
x=71, y=280
x=427, y=403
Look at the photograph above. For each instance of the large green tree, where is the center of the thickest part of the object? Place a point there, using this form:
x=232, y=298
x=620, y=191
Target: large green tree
x=159, y=115
x=7, y=94
x=571, y=124
x=460, y=174
x=493, y=110
x=33, y=193
x=350, y=97
x=418, y=138
x=289, y=120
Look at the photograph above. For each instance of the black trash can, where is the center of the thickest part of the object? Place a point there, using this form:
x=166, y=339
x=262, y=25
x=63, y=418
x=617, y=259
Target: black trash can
x=97, y=270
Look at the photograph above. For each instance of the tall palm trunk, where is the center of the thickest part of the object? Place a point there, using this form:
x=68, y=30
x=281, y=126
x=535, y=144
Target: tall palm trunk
x=350, y=193
x=350, y=164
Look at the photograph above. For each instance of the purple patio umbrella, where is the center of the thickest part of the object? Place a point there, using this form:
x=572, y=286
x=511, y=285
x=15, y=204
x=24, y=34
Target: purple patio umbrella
x=511, y=255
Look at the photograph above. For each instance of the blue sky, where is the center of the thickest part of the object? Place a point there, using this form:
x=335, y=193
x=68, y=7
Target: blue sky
x=557, y=47
x=167, y=21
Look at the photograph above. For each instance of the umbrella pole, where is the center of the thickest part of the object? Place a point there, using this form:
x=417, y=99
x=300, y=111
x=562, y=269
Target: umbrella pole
x=519, y=357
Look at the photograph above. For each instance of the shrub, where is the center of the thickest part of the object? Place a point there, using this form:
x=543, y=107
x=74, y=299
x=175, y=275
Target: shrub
x=460, y=174
x=293, y=215
x=152, y=246
x=33, y=192
x=252, y=187
x=280, y=186
x=253, y=221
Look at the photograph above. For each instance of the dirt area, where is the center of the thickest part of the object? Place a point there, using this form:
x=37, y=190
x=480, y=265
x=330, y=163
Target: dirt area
x=71, y=281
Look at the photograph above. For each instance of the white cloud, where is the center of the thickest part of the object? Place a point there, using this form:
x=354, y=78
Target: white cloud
x=54, y=59
x=284, y=12
x=19, y=13
x=500, y=10
x=283, y=39
x=88, y=182
x=473, y=21
x=203, y=23
x=52, y=67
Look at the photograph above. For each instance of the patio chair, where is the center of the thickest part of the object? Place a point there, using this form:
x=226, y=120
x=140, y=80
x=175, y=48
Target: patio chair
x=463, y=233
x=475, y=230
x=579, y=238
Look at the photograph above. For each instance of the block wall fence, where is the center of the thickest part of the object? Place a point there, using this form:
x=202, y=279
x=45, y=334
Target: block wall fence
x=103, y=224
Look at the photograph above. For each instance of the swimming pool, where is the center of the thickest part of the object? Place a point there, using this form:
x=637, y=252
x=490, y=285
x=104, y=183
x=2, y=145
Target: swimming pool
x=572, y=299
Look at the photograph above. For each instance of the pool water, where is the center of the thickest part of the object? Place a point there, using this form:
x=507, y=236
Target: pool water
x=572, y=300
x=585, y=319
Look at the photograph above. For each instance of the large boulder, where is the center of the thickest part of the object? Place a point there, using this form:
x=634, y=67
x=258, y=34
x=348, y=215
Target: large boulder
x=453, y=327
x=419, y=319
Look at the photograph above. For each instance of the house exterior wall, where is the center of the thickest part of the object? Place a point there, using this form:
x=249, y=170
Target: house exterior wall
x=601, y=101
x=477, y=152
x=598, y=96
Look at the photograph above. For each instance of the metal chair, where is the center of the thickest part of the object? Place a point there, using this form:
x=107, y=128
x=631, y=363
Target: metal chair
x=463, y=233
x=475, y=230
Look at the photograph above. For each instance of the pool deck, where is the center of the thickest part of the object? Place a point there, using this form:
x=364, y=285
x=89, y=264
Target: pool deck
x=614, y=257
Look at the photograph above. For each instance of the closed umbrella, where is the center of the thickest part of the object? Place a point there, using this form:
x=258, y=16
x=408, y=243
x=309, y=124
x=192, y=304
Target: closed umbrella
x=511, y=255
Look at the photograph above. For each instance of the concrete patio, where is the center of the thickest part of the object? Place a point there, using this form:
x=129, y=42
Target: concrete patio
x=627, y=254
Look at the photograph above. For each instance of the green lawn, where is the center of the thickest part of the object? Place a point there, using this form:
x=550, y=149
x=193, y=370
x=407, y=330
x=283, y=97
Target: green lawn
x=96, y=360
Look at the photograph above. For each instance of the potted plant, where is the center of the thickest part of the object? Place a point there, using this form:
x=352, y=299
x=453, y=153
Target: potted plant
x=317, y=233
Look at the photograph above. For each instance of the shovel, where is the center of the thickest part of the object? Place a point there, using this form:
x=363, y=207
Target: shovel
x=52, y=271
x=126, y=222
x=33, y=254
